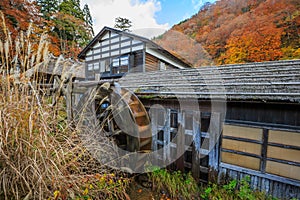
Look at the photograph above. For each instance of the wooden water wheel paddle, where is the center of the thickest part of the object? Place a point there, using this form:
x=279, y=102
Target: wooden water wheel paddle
x=122, y=115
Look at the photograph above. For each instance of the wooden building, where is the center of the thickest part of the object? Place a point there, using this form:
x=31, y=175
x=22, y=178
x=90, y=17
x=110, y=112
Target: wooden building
x=257, y=133
x=112, y=53
x=57, y=66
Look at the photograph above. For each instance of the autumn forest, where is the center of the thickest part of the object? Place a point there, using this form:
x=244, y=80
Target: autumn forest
x=239, y=31
x=68, y=26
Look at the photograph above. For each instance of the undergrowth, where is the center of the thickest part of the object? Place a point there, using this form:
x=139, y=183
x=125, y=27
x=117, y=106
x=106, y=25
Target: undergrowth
x=176, y=184
x=239, y=190
x=183, y=186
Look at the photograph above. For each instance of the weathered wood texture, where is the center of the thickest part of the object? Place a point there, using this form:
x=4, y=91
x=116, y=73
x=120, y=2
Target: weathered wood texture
x=151, y=63
x=269, y=81
x=182, y=141
x=273, y=185
x=267, y=155
x=261, y=134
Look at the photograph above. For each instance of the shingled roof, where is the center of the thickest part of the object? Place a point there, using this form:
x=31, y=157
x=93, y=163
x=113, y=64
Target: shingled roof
x=59, y=66
x=266, y=81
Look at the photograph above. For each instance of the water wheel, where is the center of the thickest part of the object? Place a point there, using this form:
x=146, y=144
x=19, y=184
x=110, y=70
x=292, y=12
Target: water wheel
x=122, y=116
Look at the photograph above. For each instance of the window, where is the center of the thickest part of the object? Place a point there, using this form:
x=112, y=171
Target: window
x=120, y=64
x=162, y=65
x=96, y=66
x=102, y=66
x=90, y=67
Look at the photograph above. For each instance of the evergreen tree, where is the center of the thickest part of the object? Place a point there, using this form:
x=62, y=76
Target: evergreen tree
x=48, y=8
x=123, y=23
x=71, y=27
x=71, y=7
x=88, y=19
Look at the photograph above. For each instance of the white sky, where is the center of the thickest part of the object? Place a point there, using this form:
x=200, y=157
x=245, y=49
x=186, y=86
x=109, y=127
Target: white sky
x=140, y=12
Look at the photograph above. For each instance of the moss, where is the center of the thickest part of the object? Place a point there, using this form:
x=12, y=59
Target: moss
x=147, y=97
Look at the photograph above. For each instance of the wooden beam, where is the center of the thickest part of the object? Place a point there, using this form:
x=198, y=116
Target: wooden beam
x=196, y=146
x=180, y=141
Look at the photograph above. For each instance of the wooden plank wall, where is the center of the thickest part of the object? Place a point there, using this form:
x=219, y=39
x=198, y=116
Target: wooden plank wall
x=152, y=63
x=186, y=140
x=270, y=156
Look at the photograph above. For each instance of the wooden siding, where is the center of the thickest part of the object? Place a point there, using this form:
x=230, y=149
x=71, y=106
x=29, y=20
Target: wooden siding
x=286, y=114
x=284, y=170
x=272, y=153
x=152, y=63
x=240, y=160
x=284, y=137
x=242, y=132
x=242, y=146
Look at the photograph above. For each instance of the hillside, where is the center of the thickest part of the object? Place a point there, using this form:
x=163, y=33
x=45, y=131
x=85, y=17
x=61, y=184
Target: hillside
x=232, y=31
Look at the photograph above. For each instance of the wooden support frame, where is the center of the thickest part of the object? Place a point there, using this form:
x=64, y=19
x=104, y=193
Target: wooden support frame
x=196, y=151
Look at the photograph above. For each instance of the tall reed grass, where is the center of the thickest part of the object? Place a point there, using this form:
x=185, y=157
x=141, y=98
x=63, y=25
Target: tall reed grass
x=42, y=156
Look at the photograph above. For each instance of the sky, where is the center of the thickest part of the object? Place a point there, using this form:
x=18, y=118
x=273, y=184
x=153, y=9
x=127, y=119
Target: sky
x=149, y=17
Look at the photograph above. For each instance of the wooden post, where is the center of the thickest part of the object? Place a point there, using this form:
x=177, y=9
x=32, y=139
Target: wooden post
x=196, y=145
x=154, y=124
x=167, y=150
x=214, y=133
x=180, y=141
x=264, y=149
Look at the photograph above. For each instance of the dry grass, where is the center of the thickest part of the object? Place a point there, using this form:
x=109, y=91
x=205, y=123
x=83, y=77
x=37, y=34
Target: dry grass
x=41, y=155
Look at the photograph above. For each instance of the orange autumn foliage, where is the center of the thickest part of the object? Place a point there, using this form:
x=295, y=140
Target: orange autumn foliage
x=246, y=31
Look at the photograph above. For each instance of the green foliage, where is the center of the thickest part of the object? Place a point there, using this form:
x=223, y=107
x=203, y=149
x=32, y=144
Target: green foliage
x=69, y=27
x=176, y=184
x=239, y=190
x=71, y=7
x=88, y=18
x=123, y=24
x=48, y=7
x=245, y=192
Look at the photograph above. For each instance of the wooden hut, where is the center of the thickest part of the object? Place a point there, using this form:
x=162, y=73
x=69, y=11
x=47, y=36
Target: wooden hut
x=257, y=133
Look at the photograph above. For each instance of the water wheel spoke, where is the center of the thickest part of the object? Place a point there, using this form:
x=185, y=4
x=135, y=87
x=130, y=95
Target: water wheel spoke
x=122, y=116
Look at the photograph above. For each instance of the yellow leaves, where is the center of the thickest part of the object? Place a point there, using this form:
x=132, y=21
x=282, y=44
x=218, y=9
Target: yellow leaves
x=290, y=52
x=86, y=191
x=254, y=45
x=110, y=181
x=56, y=194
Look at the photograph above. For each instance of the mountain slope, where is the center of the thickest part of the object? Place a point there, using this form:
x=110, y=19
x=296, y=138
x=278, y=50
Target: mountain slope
x=240, y=31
